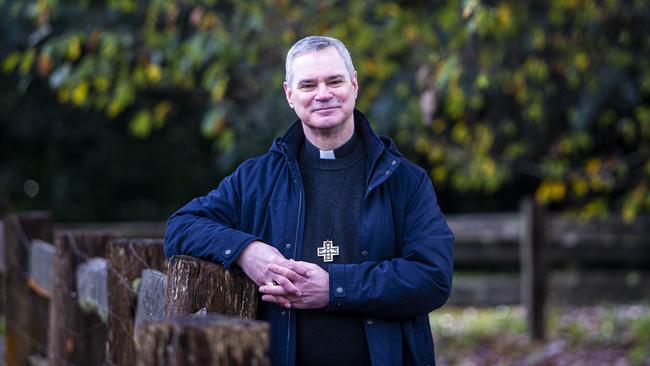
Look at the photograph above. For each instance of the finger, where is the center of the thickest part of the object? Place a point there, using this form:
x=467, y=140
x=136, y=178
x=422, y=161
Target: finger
x=284, y=271
x=277, y=300
x=286, y=284
x=274, y=290
x=301, y=268
x=280, y=286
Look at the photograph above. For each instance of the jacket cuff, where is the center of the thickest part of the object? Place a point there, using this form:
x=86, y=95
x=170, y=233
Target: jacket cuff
x=338, y=292
x=230, y=253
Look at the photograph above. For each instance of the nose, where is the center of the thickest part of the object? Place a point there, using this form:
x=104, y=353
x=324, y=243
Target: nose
x=323, y=92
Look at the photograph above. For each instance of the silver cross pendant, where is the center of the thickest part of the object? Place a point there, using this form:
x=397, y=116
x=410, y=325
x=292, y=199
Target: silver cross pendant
x=327, y=251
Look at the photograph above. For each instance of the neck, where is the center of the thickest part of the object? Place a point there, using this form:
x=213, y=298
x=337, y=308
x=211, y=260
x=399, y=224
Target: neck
x=329, y=139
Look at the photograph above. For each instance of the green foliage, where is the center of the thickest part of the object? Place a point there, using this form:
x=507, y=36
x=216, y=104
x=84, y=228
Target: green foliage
x=555, y=90
x=575, y=335
x=473, y=325
x=485, y=94
x=641, y=332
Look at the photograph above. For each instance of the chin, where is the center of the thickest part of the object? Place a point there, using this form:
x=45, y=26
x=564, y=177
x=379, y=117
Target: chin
x=329, y=121
x=325, y=123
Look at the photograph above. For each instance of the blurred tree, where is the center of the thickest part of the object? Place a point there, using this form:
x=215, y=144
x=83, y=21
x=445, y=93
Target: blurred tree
x=491, y=96
x=558, y=90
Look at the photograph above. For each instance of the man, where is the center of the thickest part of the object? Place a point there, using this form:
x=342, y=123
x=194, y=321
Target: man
x=342, y=234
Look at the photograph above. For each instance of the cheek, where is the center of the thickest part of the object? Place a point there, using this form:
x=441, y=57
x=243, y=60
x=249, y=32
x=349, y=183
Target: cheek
x=303, y=101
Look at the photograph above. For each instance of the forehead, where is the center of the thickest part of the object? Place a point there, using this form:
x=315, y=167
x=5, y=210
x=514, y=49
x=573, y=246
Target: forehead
x=318, y=64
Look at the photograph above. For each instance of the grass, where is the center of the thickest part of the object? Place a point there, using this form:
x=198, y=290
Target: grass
x=598, y=335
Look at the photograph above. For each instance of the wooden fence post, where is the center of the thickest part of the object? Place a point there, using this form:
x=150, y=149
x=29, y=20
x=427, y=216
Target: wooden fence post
x=126, y=260
x=75, y=337
x=213, y=340
x=193, y=283
x=533, y=269
x=26, y=313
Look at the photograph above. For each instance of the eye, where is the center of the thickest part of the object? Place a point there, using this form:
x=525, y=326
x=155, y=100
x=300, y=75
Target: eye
x=307, y=86
x=336, y=82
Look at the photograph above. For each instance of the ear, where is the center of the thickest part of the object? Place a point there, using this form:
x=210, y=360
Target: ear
x=355, y=83
x=288, y=93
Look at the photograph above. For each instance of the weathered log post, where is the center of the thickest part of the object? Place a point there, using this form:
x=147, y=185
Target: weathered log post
x=212, y=340
x=127, y=258
x=26, y=313
x=533, y=266
x=193, y=284
x=75, y=336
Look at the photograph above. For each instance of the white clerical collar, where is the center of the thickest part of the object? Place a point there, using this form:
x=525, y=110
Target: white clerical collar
x=342, y=151
x=327, y=154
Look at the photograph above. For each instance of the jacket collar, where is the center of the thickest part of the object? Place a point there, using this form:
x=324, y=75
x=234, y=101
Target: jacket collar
x=294, y=137
x=383, y=156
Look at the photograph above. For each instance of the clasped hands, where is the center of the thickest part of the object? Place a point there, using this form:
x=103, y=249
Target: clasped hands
x=288, y=283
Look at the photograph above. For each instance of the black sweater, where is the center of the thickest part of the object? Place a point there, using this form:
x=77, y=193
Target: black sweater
x=334, y=190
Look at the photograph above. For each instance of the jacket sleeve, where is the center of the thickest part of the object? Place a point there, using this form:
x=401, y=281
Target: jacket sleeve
x=415, y=283
x=206, y=226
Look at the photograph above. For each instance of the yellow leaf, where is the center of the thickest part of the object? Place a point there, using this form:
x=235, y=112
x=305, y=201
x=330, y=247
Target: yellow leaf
x=460, y=132
x=580, y=187
x=436, y=153
x=160, y=111
x=27, y=62
x=538, y=39
x=628, y=213
x=74, y=48
x=80, y=93
x=582, y=61
x=482, y=81
x=101, y=84
x=488, y=168
x=153, y=72
x=140, y=125
x=439, y=174
x=633, y=203
x=542, y=193
x=550, y=191
x=421, y=144
x=10, y=62
x=593, y=208
x=219, y=89
x=558, y=191
x=114, y=108
x=504, y=15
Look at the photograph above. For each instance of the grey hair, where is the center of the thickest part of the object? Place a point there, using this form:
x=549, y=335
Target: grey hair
x=313, y=44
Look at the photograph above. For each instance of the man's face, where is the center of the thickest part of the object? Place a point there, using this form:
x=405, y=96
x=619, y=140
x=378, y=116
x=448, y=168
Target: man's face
x=322, y=93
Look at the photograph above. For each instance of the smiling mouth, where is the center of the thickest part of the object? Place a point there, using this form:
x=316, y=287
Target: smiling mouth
x=324, y=108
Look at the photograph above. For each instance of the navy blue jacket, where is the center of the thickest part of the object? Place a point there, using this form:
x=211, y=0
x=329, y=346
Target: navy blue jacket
x=405, y=251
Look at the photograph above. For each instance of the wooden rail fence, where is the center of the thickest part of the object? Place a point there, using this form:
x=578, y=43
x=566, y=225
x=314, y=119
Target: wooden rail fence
x=94, y=294
x=83, y=299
